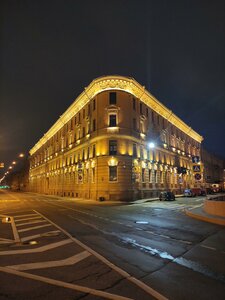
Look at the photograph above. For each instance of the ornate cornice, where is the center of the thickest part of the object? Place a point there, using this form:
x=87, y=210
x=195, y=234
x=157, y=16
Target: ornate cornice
x=125, y=84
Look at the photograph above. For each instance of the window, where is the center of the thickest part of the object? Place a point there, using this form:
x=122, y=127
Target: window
x=112, y=173
x=112, y=147
x=94, y=104
x=149, y=176
x=94, y=125
x=153, y=119
x=161, y=177
x=141, y=153
x=93, y=175
x=112, y=98
x=156, y=179
x=89, y=109
x=143, y=175
x=79, y=117
x=83, y=113
x=134, y=150
x=146, y=112
x=134, y=104
x=93, y=151
x=141, y=108
x=83, y=131
x=112, y=120
x=134, y=124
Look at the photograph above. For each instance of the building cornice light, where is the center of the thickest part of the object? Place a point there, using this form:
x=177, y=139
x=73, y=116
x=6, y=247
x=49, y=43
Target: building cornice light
x=125, y=84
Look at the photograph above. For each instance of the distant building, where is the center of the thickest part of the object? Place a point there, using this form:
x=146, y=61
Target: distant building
x=115, y=141
x=213, y=170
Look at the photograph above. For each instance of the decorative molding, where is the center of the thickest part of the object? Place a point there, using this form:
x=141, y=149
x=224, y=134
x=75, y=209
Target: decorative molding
x=125, y=84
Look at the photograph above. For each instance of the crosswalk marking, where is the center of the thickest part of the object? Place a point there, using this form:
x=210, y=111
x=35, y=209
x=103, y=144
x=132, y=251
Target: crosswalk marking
x=31, y=222
x=27, y=215
x=32, y=237
x=25, y=219
x=63, y=284
x=36, y=250
x=33, y=228
x=50, y=264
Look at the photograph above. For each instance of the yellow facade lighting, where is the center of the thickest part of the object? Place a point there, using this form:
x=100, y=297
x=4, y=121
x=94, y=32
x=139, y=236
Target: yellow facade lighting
x=121, y=83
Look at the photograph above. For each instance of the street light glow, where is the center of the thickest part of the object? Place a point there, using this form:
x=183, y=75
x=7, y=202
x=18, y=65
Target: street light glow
x=21, y=155
x=151, y=145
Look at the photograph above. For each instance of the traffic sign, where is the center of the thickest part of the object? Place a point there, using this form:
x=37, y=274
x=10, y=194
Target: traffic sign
x=195, y=159
x=198, y=176
x=196, y=168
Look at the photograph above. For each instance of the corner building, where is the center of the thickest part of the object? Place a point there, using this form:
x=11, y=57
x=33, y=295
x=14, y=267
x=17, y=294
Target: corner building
x=102, y=146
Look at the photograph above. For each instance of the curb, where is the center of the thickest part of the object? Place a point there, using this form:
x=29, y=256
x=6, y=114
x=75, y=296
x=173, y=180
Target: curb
x=205, y=218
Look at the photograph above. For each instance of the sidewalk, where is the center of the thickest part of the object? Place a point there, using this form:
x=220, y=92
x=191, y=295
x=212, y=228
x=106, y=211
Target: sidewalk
x=97, y=202
x=200, y=214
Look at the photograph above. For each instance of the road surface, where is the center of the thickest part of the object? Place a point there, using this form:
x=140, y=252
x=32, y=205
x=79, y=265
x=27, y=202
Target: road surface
x=56, y=248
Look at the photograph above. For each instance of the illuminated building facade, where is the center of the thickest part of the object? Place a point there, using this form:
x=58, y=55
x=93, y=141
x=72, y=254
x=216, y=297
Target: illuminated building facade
x=115, y=141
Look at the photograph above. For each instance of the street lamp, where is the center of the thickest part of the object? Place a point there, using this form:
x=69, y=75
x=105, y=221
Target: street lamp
x=151, y=145
x=21, y=155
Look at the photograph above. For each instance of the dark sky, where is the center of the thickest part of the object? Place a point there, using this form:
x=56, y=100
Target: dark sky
x=51, y=50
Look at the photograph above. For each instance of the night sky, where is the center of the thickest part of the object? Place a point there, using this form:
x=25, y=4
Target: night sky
x=51, y=50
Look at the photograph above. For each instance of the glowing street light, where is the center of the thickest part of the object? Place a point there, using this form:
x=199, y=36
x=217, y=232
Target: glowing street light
x=10, y=167
x=14, y=162
x=21, y=155
x=151, y=145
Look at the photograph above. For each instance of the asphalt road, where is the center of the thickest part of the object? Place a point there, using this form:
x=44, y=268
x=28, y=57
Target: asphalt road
x=55, y=248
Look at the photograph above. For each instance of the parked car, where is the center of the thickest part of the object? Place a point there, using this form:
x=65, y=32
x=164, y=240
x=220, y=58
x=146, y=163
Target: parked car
x=189, y=193
x=199, y=191
x=166, y=196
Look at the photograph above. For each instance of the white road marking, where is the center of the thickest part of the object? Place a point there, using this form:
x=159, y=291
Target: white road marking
x=31, y=222
x=15, y=232
x=27, y=215
x=37, y=250
x=31, y=237
x=25, y=219
x=51, y=264
x=33, y=228
x=168, y=237
x=123, y=273
x=211, y=248
x=64, y=284
x=6, y=240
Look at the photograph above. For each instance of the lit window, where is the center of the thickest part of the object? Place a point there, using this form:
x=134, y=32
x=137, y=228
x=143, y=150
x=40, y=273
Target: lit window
x=112, y=147
x=112, y=173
